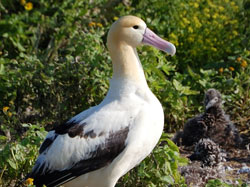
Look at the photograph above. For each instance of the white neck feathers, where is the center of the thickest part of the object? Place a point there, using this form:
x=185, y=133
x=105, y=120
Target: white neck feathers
x=126, y=63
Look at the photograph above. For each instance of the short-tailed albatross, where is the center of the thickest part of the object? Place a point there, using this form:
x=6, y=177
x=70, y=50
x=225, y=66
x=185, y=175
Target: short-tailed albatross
x=99, y=145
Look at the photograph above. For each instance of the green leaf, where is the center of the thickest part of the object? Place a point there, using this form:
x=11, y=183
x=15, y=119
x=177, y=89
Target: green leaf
x=26, y=125
x=184, y=89
x=2, y=69
x=12, y=164
x=3, y=137
x=172, y=145
x=167, y=179
x=177, y=85
x=192, y=74
x=182, y=161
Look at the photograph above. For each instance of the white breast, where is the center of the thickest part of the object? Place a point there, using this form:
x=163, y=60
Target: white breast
x=144, y=133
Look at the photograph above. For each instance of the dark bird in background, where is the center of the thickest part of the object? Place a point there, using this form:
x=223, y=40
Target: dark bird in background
x=208, y=152
x=213, y=124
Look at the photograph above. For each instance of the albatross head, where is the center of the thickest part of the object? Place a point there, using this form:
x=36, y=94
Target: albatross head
x=212, y=99
x=133, y=31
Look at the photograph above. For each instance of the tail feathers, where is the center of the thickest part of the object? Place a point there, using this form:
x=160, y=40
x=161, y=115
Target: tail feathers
x=52, y=179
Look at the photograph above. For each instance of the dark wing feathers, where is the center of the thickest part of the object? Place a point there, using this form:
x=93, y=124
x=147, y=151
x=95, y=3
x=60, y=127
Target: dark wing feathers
x=101, y=156
x=71, y=128
x=47, y=142
x=51, y=179
x=68, y=126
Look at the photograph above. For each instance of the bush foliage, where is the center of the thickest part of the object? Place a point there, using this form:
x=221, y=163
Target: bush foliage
x=54, y=63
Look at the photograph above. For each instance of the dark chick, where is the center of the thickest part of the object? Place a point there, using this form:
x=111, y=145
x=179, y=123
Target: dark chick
x=213, y=124
x=208, y=152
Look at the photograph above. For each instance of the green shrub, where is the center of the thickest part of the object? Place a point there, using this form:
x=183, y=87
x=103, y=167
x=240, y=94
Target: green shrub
x=209, y=35
x=54, y=63
x=158, y=169
x=18, y=157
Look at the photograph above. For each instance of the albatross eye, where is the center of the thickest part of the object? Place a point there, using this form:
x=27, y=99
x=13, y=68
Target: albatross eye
x=135, y=26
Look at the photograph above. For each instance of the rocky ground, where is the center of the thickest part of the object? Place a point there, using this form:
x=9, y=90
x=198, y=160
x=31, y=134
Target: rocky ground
x=234, y=170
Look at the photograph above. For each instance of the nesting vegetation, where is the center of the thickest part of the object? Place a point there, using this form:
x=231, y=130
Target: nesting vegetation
x=54, y=63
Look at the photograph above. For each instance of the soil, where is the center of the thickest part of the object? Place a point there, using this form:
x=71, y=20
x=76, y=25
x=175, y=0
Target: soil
x=234, y=170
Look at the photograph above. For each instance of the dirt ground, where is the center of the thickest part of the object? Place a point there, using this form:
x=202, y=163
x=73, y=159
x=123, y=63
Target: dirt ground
x=234, y=170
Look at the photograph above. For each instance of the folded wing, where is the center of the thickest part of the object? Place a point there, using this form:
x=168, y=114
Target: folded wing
x=78, y=147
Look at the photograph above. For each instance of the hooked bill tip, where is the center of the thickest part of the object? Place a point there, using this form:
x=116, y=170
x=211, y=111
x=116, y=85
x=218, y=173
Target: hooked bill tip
x=171, y=49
